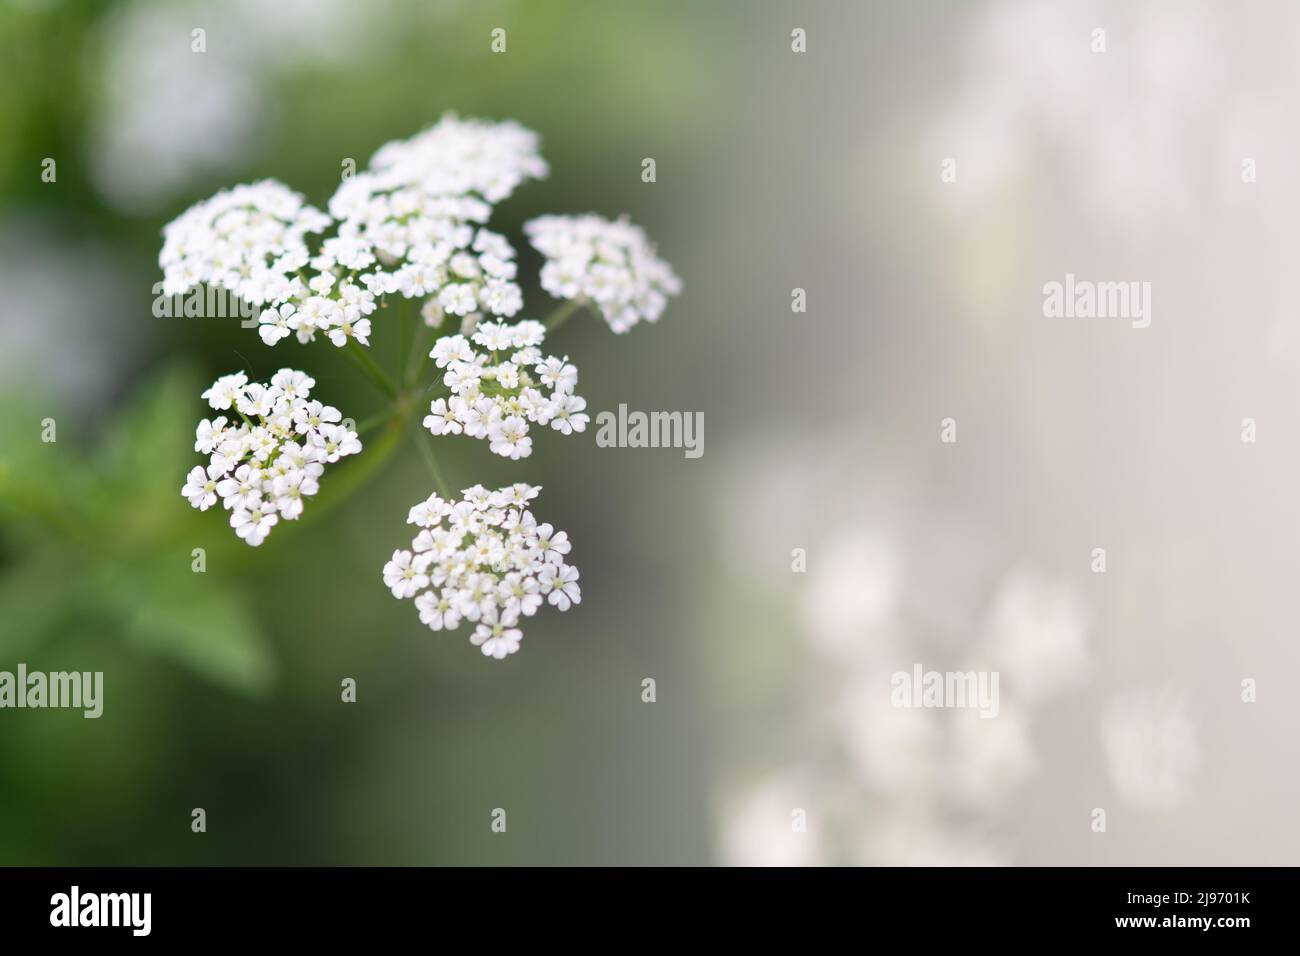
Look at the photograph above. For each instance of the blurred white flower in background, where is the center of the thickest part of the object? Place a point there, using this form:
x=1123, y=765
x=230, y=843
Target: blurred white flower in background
x=892, y=749
x=913, y=838
x=1151, y=748
x=988, y=757
x=169, y=115
x=1037, y=634
x=759, y=824
x=853, y=588
x=1124, y=128
x=912, y=786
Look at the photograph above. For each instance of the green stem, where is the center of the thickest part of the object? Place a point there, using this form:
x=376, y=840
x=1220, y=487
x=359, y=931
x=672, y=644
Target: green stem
x=561, y=314
x=424, y=367
x=361, y=355
x=425, y=440
x=391, y=424
x=337, y=488
x=369, y=424
x=413, y=375
x=404, y=336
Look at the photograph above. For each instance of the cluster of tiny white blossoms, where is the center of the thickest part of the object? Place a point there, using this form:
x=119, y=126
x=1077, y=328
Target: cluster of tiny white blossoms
x=503, y=385
x=485, y=560
x=430, y=246
x=250, y=240
x=269, y=454
x=420, y=208
x=610, y=264
x=462, y=157
x=411, y=225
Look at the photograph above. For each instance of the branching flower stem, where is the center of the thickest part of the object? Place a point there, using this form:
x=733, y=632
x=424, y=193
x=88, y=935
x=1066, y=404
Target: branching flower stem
x=390, y=423
x=342, y=486
x=561, y=314
x=422, y=350
x=425, y=442
x=404, y=401
x=361, y=356
x=405, y=334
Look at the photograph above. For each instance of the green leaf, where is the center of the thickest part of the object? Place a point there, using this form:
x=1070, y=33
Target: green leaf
x=35, y=595
x=197, y=621
x=150, y=445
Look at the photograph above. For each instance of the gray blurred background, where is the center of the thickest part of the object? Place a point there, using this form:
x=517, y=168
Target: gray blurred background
x=777, y=170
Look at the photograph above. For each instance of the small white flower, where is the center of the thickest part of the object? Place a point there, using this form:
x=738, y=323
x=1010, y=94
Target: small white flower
x=451, y=348
x=520, y=595
x=242, y=490
x=359, y=330
x=289, y=490
x=458, y=299
x=567, y=415
x=437, y=612
x=557, y=374
x=428, y=512
x=201, y=487
x=225, y=390
x=334, y=442
x=441, y=419
x=208, y=434
x=553, y=544
x=293, y=385
x=310, y=416
x=254, y=524
x=258, y=401
x=403, y=577
x=475, y=417
x=496, y=638
x=509, y=437
x=276, y=324
x=560, y=585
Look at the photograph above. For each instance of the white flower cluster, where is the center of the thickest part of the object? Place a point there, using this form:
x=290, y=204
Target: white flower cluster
x=420, y=207
x=486, y=560
x=250, y=240
x=266, y=458
x=326, y=303
x=611, y=264
x=411, y=224
x=502, y=386
x=462, y=157
x=428, y=246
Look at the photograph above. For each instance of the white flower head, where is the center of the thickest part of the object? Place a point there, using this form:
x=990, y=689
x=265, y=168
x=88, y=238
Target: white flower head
x=252, y=242
x=612, y=265
x=264, y=461
x=414, y=218
x=241, y=240
x=483, y=559
x=500, y=384
x=463, y=157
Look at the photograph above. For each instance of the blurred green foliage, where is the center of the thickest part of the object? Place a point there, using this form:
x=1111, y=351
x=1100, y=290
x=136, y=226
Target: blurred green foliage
x=99, y=538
